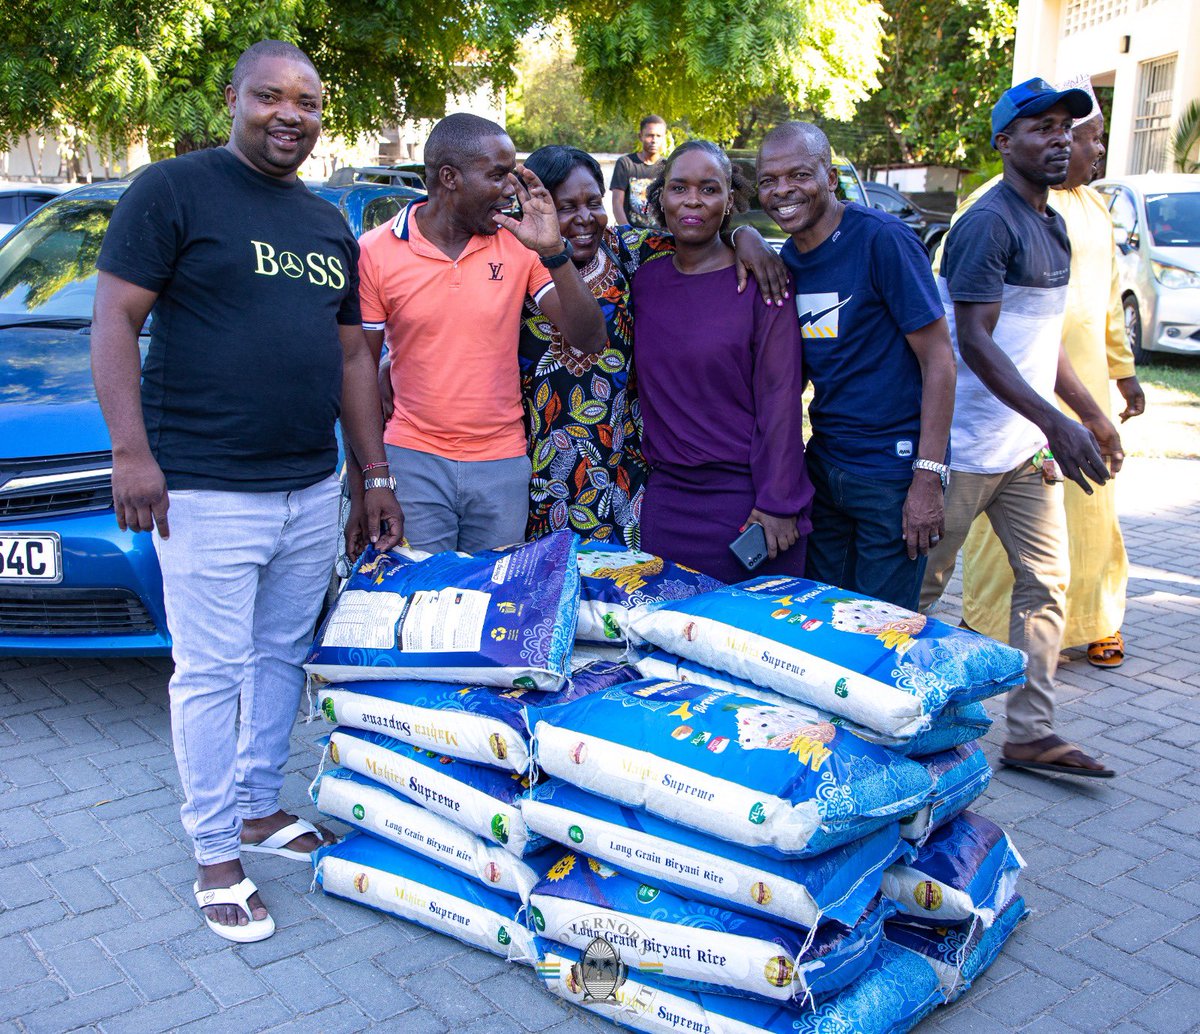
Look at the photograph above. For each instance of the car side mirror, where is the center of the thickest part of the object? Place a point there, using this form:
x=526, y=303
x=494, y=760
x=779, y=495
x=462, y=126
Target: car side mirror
x=1126, y=240
x=879, y=205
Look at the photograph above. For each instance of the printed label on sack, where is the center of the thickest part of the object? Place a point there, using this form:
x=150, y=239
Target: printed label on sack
x=364, y=620
x=928, y=895
x=445, y=621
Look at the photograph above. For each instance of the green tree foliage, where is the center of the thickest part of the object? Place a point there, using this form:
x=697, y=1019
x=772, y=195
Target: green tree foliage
x=547, y=104
x=157, y=68
x=945, y=65
x=124, y=69
x=1185, y=138
x=703, y=62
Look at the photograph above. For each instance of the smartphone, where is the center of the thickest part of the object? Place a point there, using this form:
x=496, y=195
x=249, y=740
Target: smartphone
x=750, y=547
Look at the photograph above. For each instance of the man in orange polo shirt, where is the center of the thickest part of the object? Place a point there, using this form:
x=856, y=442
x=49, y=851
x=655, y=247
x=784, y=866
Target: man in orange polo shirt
x=446, y=281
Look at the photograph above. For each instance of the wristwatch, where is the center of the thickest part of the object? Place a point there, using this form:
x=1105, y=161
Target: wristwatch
x=389, y=483
x=554, y=261
x=940, y=469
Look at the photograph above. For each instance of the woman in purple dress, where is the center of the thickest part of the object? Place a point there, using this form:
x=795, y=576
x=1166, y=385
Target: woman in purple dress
x=720, y=380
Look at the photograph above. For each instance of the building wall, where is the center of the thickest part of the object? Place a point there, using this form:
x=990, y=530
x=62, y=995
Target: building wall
x=1057, y=39
x=44, y=159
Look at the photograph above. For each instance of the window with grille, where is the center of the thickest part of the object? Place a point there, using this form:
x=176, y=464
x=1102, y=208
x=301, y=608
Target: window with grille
x=1152, y=116
x=1083, y=14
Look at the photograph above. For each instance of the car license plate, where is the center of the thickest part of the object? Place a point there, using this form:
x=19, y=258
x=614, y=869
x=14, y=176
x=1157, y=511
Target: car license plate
x=30, y=558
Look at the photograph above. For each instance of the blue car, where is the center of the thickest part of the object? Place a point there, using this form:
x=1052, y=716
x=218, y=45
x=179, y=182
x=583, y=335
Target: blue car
x=71, y=582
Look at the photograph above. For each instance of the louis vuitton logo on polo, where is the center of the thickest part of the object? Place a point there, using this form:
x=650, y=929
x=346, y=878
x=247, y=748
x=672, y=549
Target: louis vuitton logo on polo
x=496, y=268
x=320, y=270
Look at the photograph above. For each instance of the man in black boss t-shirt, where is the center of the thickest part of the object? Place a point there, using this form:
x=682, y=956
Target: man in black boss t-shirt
x=255, y=348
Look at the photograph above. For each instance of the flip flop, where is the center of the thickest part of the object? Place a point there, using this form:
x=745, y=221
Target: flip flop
x=1055, y=757
x=277, y=842
x=238, y=895
x=1108, y=652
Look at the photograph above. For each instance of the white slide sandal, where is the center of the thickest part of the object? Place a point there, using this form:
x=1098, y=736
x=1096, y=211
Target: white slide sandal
x=239, y=896
x=277, y=842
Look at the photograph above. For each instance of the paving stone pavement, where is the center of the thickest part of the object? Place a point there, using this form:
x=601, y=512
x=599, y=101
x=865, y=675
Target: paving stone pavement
x=98, y=929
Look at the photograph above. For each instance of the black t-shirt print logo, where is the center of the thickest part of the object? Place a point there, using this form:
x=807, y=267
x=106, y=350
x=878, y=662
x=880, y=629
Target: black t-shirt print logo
x=495, y=267
x=321, y=270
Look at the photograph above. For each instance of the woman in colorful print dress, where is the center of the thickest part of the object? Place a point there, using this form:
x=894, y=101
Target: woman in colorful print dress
x=582, y=411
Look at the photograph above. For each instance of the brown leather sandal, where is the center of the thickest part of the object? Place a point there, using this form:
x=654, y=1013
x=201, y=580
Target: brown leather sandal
x=1054, y=754
x=1108, y=652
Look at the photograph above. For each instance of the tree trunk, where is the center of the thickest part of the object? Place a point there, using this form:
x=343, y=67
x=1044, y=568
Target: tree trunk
x=187, y=143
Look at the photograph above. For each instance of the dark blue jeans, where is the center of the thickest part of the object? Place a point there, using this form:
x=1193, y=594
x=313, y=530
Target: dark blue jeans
x=857, y=541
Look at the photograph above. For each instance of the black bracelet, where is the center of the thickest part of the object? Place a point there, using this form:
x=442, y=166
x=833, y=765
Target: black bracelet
x=554, y=261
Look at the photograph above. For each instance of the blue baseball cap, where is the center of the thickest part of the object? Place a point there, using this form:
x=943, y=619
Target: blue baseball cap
x=1032, y=97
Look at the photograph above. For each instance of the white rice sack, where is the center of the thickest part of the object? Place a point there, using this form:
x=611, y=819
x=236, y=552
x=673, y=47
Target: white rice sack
x=759, y=775
x=366, y=805
x=959, y=777
x=892, y=995
x=504, y=617
x=388, y=878
x=955, y=724
x=481, y=724
x=966, y=870
x=614, y=580
x=837, y=885
x=960, y=952
x=873, y=663
x=701, y=946
x=483, y=801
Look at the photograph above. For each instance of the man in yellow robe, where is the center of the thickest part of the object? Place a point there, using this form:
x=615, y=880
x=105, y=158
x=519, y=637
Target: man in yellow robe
x=1094, y=336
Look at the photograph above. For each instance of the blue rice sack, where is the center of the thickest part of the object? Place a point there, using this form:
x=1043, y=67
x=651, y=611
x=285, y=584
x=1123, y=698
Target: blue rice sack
x=959, y=777
x=892, y=995
x=373, y=808
x=953, y=725
x=960, y=952
x=704, y=947
x=481, y=724
x=871, y=662
x=390, y=879
x=483, y=801
x=966, y=870
x=837, y=885
x=504, y=617
x=756, y=774
x=615, y=580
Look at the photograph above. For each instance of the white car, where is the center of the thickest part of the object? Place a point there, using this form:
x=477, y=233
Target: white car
x=1157, y=223
x=17, y=200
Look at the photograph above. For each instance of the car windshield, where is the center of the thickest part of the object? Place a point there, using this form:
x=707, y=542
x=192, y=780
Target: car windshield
x=1174, y=219
x=48, y=269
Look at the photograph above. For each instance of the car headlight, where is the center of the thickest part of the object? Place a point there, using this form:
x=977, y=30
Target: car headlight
x=1174, y=276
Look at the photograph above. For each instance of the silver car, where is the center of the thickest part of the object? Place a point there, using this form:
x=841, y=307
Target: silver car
x=1157, y=224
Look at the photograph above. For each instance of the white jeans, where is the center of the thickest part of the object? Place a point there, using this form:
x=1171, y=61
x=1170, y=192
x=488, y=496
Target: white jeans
x=244, y=575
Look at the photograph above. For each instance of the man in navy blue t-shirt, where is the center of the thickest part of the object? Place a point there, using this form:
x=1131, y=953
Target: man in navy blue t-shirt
x=877, y=350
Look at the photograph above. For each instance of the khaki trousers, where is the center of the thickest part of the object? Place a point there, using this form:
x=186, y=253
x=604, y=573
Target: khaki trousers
x=1028, y=518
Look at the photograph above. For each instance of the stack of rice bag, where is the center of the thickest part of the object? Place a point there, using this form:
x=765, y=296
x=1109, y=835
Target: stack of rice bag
x=909, y=685
x=424, y=667
x=760, y=827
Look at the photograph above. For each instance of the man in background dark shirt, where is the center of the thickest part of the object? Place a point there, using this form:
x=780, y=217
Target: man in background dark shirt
x=633, y=174
x=256, y=346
